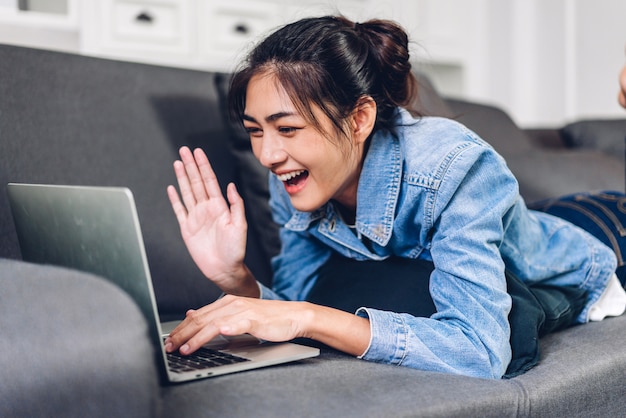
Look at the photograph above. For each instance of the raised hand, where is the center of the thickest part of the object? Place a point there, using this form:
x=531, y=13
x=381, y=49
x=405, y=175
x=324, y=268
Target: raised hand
x=213, y=229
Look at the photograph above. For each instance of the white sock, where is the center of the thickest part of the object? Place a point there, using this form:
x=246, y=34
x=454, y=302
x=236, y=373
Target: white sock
x=611, y=303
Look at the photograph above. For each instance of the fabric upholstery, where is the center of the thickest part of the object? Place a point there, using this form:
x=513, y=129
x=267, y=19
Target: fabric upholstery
x=84, y=356
x=493, y=125
x=564, y=172
x=428, y=101
x=575, y=378
x=606, y=135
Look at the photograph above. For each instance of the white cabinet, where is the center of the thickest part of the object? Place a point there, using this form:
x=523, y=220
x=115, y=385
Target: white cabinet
x=155, y=31
x=158, y=24
x=225, y=30
x=203, y=34
x=51, y=25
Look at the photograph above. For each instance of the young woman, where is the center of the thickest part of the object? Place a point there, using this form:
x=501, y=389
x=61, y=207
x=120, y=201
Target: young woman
x=415, y=221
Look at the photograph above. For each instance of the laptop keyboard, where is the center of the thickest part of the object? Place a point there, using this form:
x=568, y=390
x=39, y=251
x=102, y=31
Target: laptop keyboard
x=202, y=359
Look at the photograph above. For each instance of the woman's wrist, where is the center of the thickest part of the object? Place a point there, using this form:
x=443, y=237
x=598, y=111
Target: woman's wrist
x=240, y=283
x=341, y=330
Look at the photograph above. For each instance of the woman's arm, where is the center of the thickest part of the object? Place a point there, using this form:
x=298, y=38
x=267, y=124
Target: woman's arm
x=270, y=320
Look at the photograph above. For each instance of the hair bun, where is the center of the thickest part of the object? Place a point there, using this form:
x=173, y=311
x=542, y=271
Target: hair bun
x=388, y=45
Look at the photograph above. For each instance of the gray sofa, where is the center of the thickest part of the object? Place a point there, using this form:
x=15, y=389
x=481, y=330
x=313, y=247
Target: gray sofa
x=74, y=345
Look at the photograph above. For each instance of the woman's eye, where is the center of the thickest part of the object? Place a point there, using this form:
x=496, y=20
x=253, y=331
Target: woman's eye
x=253, y=131
x=287, y=130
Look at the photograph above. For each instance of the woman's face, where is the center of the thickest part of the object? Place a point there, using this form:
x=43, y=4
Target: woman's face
x=313, y=168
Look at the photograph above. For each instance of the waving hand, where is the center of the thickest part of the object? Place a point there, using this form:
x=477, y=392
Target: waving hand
x=213, y=229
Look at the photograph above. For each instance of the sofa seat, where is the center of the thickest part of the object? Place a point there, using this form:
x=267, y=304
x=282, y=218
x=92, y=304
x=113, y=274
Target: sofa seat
x=582, y=374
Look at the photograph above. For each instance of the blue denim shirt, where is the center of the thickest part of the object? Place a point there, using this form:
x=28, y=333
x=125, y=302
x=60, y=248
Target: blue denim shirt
x=437, y=191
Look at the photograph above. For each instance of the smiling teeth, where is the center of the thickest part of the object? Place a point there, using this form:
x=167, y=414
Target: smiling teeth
x=289, y=176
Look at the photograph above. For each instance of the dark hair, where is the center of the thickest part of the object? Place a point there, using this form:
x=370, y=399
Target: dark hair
x=333, y=62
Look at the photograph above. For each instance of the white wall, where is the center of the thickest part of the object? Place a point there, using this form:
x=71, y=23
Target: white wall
x=567, y=66
x=599, y=54
x=546, y=62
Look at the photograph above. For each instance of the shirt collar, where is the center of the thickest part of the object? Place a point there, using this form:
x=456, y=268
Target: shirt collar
x=379, y=186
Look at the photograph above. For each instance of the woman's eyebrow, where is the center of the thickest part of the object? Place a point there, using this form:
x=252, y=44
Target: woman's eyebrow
x=270, y=118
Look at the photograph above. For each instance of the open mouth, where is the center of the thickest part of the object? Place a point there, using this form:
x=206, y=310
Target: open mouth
x=293, y=179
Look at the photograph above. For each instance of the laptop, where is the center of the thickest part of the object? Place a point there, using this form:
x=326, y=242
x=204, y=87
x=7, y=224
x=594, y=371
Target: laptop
x=97, y=230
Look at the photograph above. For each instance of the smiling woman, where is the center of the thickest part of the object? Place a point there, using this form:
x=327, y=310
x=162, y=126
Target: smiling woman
x=298, y=150
x=404, y=238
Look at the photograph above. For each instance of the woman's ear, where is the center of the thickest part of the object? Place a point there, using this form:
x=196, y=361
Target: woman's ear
x=363, y=119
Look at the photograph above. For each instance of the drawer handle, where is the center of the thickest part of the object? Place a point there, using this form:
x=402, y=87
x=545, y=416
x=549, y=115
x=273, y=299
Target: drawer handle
x=241, y=28
x=145, y=17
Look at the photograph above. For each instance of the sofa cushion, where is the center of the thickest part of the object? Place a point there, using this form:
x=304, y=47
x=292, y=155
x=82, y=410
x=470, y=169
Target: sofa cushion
x=74, y=345
x=551, y=173
x=428, y=102
x=607, y=135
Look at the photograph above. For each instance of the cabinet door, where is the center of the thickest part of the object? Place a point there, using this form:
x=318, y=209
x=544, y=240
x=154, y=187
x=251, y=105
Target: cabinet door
x=227, y=30
x=147, y=30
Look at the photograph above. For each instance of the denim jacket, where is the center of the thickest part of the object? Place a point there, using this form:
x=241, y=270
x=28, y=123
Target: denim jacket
x=434, y=190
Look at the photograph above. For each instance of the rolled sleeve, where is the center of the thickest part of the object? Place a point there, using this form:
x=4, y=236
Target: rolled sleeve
x=388, y=341
x=422, y=343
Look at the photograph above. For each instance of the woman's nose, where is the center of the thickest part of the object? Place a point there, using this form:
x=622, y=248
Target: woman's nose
x=271, y=151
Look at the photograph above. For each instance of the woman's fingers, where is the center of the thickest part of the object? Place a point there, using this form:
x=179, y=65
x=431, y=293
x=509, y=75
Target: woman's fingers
x=237, y=208
x=233, y=315
x=179, y=209
x=192, y=177
x=184, y=185
x=210, y=183
x=194, y=331
x=196, y=179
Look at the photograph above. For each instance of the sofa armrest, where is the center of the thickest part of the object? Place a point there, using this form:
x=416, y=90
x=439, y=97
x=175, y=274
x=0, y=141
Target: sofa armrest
x=73, y=345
